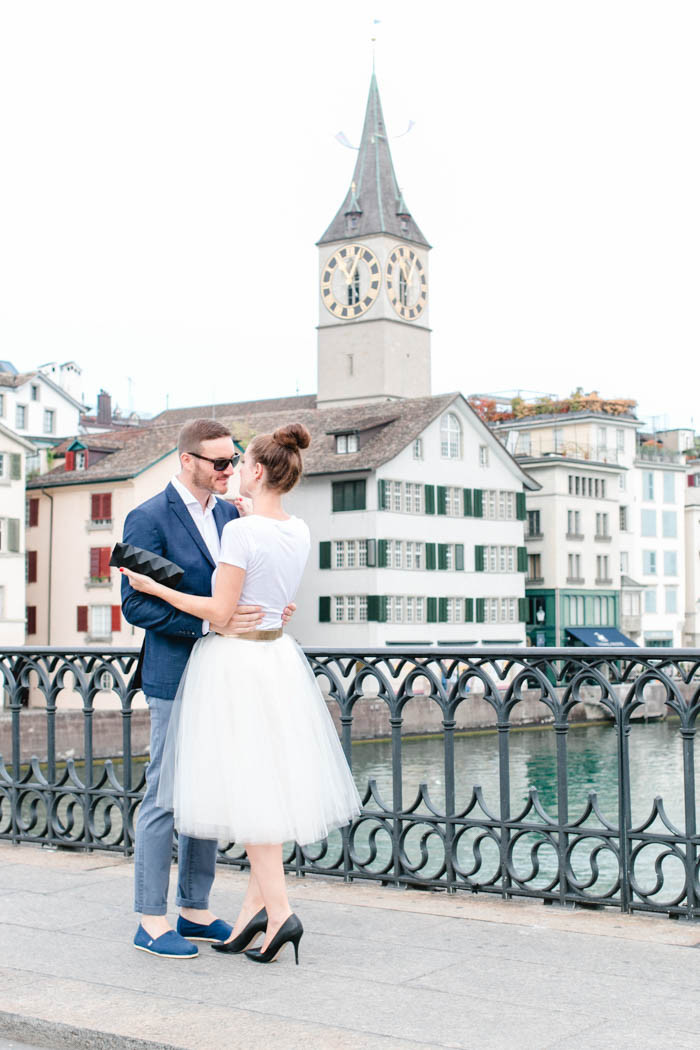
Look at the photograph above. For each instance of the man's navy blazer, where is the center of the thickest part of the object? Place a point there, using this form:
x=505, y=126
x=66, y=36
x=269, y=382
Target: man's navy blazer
x=164, y=525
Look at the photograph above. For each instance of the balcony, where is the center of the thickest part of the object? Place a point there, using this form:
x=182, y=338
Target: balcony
x=602, y=537
x=533, y=579
x=603, y=581
x=577, y=580
x=574, y=535
x=534, y=535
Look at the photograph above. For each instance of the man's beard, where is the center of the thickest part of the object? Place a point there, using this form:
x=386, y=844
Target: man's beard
x=204, y=480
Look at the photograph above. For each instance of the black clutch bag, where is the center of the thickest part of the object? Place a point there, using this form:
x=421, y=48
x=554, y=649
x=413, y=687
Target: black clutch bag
x=125, y=556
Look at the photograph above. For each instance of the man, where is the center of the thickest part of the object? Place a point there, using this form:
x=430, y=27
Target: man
x=183, y=523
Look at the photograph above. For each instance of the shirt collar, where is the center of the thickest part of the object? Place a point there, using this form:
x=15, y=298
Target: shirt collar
x=188, y=498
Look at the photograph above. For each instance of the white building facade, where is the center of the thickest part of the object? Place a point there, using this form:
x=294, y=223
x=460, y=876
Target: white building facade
x=13, y=566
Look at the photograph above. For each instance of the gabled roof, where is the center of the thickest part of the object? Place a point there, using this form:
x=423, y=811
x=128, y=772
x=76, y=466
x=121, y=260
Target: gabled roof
x=21, y=441
x=18, y=379
x=220, y=411
x=374, y=196
x=387, y=428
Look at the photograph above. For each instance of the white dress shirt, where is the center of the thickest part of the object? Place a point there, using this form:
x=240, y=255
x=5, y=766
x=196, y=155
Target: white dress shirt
x=206, y=525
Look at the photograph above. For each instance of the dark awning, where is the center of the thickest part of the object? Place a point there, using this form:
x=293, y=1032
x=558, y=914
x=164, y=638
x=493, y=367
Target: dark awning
x=600, y=636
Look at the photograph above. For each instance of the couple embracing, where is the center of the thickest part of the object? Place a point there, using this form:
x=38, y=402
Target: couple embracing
x=242, y=747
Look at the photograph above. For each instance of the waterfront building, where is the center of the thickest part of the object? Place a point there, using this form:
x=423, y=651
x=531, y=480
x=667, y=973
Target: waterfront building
x=13, y=565
x=691, y=635
x=40, y=406
x=604, y=538
x=416, y=509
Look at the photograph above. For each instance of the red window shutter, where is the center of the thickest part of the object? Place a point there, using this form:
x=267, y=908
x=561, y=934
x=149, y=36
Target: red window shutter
x=105, y=553
x=83, y=618
x=31, y=566
x=95, y=562
x=116, y=617
x=70, y=460
x=107, y=506
x=33, y=512
x=31, y=619
x=95, y=508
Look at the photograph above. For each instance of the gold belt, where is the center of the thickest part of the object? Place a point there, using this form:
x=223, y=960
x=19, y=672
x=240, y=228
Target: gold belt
x=257, y=636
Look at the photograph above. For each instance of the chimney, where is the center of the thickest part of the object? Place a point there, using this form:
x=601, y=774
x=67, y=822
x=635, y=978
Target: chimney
x=104, y=408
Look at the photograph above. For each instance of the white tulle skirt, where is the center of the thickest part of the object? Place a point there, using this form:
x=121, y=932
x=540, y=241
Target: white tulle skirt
x=252, y=754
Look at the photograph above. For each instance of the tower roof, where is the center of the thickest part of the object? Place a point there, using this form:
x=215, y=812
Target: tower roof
x=374, y=198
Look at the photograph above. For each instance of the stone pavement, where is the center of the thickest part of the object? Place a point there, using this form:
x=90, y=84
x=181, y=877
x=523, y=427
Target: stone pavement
x=380, y=969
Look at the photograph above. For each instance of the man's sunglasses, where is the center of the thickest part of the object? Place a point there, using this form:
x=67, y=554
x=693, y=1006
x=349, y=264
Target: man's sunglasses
x=223, y=463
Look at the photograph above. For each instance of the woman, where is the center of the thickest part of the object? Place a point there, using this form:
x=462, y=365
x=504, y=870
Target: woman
x=256, y=757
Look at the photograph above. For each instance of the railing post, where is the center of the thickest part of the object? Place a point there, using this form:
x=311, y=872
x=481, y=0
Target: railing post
x=448, y=726
x=346, y=739
x=688, y=735
x=396, y=722
x=504, y=788
x=624, y=807
x=561, y=730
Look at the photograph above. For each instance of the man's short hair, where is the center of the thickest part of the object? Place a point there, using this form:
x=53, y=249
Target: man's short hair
x=195, y=431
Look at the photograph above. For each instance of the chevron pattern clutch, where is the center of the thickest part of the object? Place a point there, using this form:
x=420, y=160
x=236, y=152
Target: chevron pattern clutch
x=137, y=559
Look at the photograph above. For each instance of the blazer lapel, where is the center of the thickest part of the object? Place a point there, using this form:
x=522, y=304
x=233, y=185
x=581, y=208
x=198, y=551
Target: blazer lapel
x=220, y=517
x=186, y=518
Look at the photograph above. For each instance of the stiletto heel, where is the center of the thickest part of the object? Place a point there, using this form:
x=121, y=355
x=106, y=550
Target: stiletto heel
x=290, y=932
x=256, y=926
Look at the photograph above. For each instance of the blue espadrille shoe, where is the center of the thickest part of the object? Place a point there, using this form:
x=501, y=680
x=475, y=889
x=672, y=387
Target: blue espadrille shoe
x=218, y=930
x=169, y=945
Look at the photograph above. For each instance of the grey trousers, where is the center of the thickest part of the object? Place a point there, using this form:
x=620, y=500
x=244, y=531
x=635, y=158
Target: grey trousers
x=154, y=839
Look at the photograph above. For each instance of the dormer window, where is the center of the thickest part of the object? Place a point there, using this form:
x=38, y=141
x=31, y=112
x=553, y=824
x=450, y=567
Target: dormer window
x=345, y=443
x=404, y=224
x=80, y=459
x=351, y=222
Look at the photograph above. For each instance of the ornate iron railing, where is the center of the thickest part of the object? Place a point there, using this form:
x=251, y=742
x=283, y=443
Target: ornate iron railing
x=596, y=855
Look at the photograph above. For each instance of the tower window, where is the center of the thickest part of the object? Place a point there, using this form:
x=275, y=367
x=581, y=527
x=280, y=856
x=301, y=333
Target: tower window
x=354, y=289
x=351, y=223
x=404, y=224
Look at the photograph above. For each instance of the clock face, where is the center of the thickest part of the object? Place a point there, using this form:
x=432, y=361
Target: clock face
x=406, y=283
x=350, y=281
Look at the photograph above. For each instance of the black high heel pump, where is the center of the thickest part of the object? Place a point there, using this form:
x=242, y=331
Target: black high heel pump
x=290, y=932
x=257, y=925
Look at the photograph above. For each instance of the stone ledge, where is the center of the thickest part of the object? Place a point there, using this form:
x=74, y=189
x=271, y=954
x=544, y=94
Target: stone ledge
x=56, y=1036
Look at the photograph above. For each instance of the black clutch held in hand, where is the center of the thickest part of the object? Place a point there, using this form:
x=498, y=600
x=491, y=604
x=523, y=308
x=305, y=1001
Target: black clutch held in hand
x=137, y=559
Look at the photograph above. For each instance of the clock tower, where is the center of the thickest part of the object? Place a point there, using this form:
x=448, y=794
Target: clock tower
x=373, y=334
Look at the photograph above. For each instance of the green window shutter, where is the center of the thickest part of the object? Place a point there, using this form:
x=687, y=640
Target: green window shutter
x=478, y=502
x=522, y=610
x=430, y=558
x=520, y=511
x=442, y=555
x=13, y=534
x=337, y=488
x=459, y=557
x=522, y=559
x=441, y=499
x=324, y=554
x=359, y=495
x=429, y=499
x=468, y=610
x=442, y=610
x=432, y=610
x=381, y=495
x=382, y=554
x=479, y=559
x=371, y=554
x=374, y=604
x=15, y=467
x=324, y=610
x=481, y=610
x=467, y=494
x=383, y=602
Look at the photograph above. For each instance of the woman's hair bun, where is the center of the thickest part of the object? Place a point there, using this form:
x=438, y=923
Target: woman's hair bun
x=294, y=435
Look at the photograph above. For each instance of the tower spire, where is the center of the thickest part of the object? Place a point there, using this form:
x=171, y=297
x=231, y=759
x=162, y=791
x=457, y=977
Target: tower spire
x=374, y=200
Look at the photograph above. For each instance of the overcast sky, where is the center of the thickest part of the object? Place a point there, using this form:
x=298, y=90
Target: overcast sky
x=167, y=168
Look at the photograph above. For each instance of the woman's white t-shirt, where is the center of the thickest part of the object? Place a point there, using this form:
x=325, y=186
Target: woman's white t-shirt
x=274, y=555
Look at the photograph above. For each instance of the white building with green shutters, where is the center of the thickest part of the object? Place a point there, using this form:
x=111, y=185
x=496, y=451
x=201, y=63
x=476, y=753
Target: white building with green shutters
x=13, y=450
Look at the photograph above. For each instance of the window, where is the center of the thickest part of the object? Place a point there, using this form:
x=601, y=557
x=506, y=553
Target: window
x=418, y=448
x=649, y=563
x=669, y=487
x=80, y=459
x=499, y=504
x=49, y=421
x=483, y=456
x=624, y=562
x=601, y=566
x=624, y=519
x=668, y=524
x=348, y=495
x=31, y=619
x=574, y=562
x=100, y=621
x=35, y=391
x=500, y=610
x=670, y=563
x=3, y=464
x=31, y=566
x=601, y=525
x=630, y=603
x=524, y=445
x=558, y=439
x=573, y=523
x=534, y=567
x=345, y=443
x=450, y=436
x=453, y=501
x=648, y=523
x=31, y=512
x=623, y=482
x=354, y=288
x=620, y=440
x=648, y=484
x=533, y=523
x=650, y=600
x=671, y=599
x=99, y=563
x=20, y=417
x=2, y=406
x=101, y=508
x=9, y=535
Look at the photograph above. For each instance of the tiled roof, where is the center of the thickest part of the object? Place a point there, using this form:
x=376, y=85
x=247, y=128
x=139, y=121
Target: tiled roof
x=10, y=379
x=272, y=404
x=386, y=430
